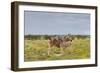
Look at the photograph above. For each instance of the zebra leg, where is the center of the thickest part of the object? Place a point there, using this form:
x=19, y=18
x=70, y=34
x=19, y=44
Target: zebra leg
x=49, y=48
x=62, y=50
x=49, y=51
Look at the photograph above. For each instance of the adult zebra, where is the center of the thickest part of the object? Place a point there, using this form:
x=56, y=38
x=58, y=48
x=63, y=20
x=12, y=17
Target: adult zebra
x=59, y=43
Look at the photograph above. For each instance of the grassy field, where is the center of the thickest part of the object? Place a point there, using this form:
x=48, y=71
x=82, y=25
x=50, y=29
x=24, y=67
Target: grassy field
x=36, y=50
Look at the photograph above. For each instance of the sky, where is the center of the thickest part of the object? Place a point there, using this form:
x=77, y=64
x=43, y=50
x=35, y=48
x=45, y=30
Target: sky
x=56, y=23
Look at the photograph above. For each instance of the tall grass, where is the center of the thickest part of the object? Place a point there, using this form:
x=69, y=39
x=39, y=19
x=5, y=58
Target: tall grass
x=36, y=50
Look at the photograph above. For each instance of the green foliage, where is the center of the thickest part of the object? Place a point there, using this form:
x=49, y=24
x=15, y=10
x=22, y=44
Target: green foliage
x=45, y=37
x=36, y=50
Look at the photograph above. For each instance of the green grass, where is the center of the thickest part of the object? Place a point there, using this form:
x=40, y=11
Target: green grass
x=36, y=50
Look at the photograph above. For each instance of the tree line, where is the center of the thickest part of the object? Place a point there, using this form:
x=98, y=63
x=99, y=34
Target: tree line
x=35, y=37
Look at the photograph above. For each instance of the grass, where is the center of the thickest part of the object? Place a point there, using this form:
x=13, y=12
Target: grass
x=36, y=50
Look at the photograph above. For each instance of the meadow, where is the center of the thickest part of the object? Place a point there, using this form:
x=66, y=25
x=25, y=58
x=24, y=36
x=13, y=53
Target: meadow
x=36, y=50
